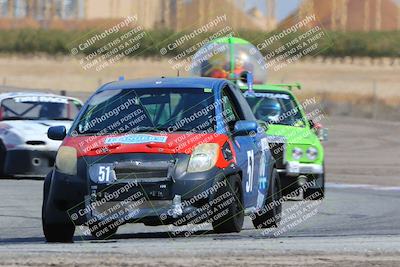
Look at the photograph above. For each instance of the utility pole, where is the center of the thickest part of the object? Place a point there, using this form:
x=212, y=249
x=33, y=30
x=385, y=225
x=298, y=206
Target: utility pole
x=10, y=8
x=343, y=17
x=333, y=14
x=398, y=16
x=179, y=14
x=378, y=17
x=366, y=15
x=306, y=8
x=271, y=19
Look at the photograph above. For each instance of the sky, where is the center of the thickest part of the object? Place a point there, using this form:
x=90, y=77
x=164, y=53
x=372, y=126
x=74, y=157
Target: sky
x=284, y=7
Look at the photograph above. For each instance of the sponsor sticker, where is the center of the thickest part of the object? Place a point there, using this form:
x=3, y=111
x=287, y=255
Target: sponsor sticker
x=266, y=95
x=136, y=139
x=47, y=99
x=264, y=144
x=276, y=139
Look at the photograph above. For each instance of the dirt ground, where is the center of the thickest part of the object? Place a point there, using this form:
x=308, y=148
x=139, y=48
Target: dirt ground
x=67, y=74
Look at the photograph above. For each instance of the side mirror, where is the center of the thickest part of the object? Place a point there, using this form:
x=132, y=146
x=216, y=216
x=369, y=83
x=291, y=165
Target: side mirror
x=312, y=124
x=56, y=132
x=263, y=125
x=320, y=131
x=322, y=134
x=243, y=128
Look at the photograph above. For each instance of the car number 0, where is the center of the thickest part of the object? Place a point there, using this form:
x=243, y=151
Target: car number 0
x=104, y=173
x=250, y=170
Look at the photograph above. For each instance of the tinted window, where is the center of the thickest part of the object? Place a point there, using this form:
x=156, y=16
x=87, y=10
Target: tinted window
x=136, y=110
x=275, y=108
x=39, y=108
x=230, y=112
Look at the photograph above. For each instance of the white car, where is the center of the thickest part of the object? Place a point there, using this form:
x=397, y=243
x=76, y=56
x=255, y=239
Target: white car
x=25, y=149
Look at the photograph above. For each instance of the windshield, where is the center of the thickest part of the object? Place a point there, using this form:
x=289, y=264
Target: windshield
x=275, y=108
x=147, y=110
x=39, y=108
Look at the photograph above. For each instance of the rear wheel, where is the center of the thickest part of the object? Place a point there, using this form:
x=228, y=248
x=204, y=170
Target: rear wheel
x=229, y=215
x=62, y=233
x=270, y=215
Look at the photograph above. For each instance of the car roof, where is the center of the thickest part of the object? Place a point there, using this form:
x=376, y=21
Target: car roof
x=165, y=82
x=16, y=94
x=269, y=87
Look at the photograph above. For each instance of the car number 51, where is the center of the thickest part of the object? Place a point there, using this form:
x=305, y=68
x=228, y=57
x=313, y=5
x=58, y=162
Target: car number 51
x=104, y=173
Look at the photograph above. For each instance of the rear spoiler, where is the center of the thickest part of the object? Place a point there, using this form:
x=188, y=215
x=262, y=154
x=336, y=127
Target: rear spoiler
x=290, y=85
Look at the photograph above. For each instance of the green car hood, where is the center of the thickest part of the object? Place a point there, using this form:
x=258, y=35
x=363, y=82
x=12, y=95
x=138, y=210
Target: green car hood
x=301, y=137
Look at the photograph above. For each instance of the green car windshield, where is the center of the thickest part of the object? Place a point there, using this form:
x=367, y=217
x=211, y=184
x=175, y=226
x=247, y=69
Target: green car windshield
x=275, y=108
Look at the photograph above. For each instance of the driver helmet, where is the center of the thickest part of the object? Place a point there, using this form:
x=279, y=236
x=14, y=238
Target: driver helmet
x=268, y=110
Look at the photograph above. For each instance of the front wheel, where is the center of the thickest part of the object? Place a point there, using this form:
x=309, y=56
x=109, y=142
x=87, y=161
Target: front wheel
x=317, y=193
x=62, y=233
x=270, y=215
x=229, y=215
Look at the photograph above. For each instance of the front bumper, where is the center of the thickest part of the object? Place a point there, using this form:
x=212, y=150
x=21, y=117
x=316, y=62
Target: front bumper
x=29, y=163
x=152, y=200
x=295, y=168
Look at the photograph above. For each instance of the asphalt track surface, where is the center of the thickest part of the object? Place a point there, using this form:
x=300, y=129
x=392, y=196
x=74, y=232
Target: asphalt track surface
x=357, y=224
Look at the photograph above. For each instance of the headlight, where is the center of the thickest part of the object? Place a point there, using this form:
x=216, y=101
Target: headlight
x=66, y=160
x=203, y=157
x=312, y=153
x=297, y=153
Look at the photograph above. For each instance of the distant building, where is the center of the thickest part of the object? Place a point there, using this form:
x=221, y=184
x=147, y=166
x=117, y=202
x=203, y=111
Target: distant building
x=172, y=14
x=352, y=15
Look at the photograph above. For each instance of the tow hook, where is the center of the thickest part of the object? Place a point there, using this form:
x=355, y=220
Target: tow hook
x=176, y=206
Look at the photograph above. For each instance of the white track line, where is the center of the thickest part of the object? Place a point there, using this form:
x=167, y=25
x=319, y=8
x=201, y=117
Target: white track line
x=363, y=186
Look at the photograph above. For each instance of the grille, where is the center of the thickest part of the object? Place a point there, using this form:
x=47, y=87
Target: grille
x=142, y=170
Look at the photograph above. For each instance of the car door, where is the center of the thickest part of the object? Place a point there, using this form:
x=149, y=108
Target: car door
x=247, y=152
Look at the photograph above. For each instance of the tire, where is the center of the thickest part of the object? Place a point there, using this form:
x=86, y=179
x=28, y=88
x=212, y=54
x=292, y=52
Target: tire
x=316, y=193
x=61, y=233
x=101, y=234
x=270, y=217
x=58, y=233
x=3, y=153
x=232, y=221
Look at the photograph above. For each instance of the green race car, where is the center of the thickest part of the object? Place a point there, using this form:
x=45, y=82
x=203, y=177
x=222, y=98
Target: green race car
x=295, y=140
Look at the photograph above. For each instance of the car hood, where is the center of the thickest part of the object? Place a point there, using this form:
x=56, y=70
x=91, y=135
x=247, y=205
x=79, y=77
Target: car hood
x=34, y=129
x=292, y=134
x=170, y=143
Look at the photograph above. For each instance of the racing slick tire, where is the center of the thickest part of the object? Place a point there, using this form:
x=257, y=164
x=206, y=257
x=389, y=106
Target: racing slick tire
x=229, y=218
x=3, y=153
x=316, y=193
x=270, y=215
x=60, y=233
